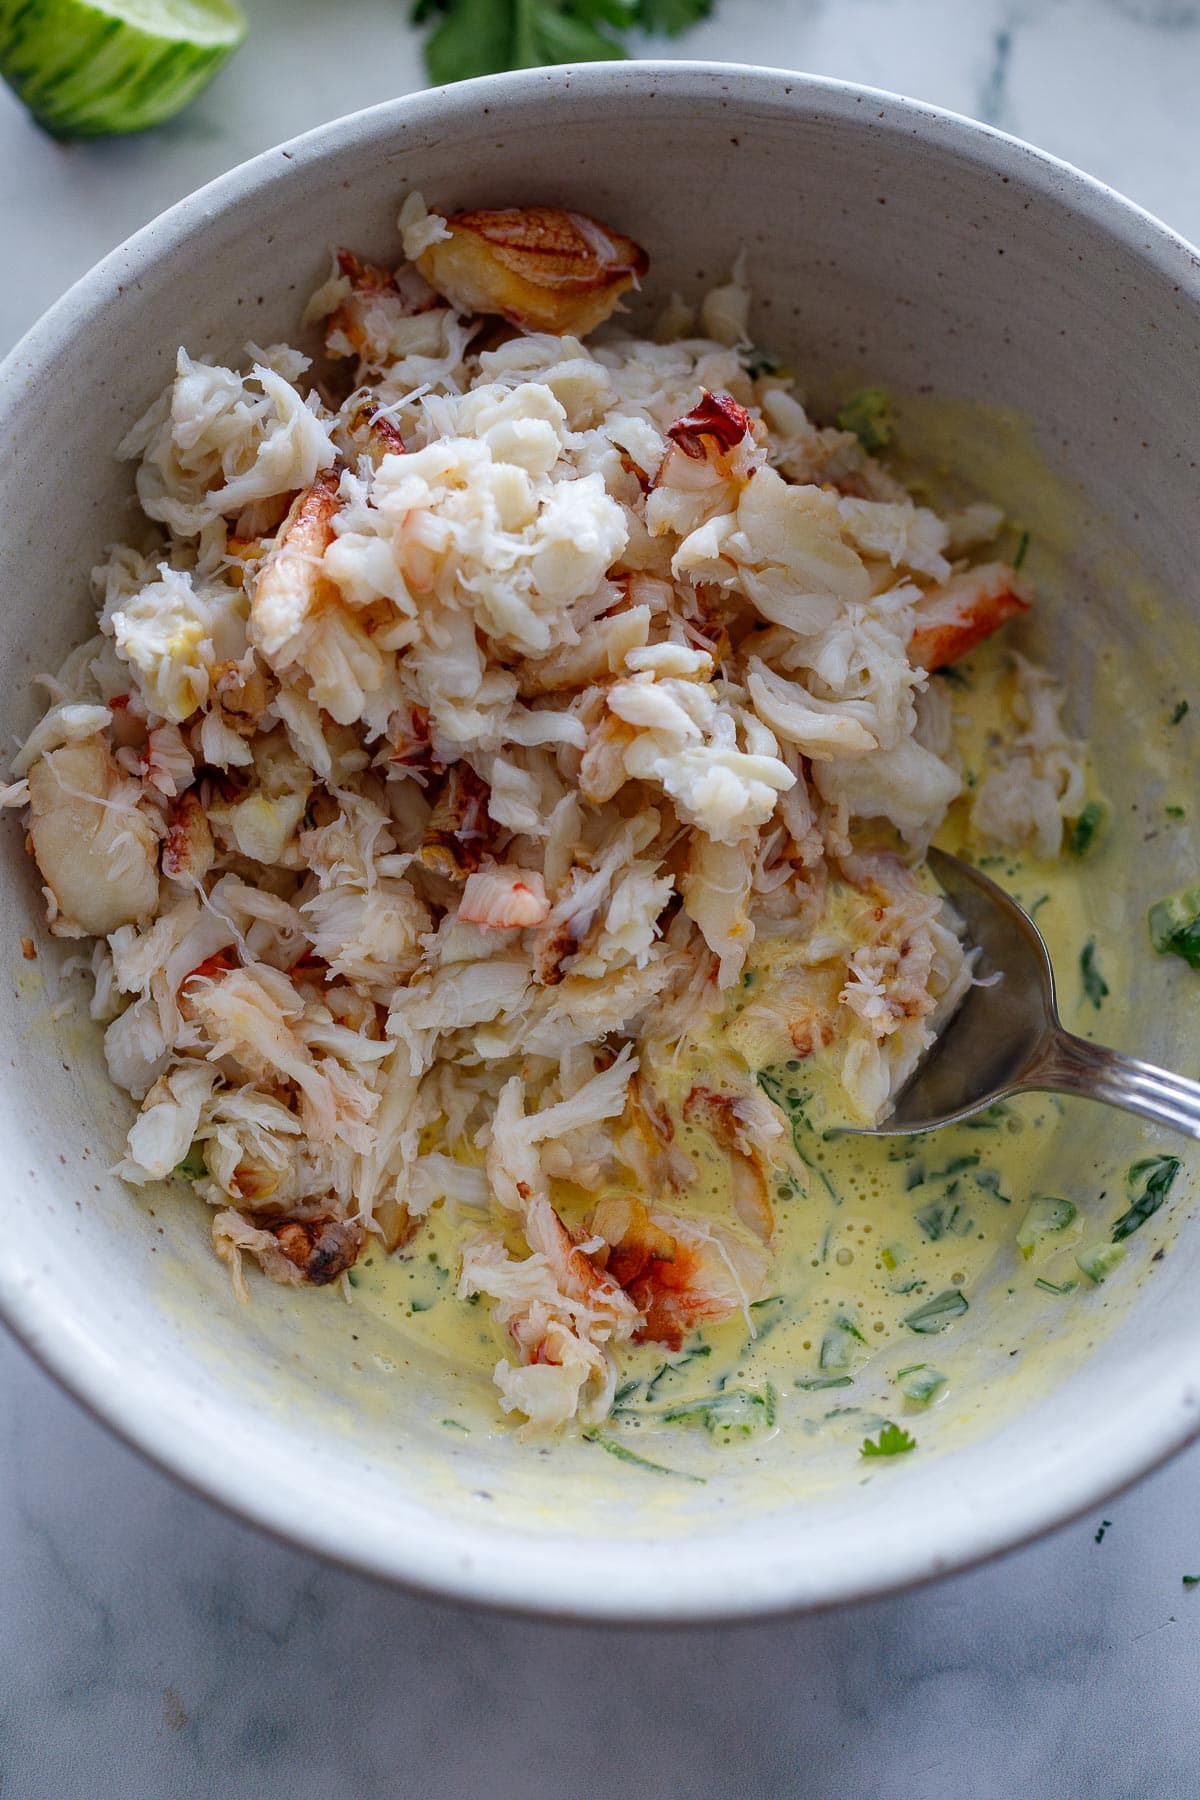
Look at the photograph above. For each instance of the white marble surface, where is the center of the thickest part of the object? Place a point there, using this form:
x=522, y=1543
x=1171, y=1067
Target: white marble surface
x=151, y=1648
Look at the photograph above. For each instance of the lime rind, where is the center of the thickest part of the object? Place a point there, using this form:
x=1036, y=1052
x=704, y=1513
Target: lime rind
x=87, y=68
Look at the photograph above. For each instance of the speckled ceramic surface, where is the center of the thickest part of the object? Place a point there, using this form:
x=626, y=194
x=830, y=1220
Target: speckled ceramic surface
x=885, y=240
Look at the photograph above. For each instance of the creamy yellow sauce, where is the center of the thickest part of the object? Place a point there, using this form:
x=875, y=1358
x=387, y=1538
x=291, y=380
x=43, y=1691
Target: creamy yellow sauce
x=868, y=1231
x=896, y=1278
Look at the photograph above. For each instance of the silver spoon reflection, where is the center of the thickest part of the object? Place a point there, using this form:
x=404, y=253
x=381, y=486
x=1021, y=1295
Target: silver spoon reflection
x=1006, y=1037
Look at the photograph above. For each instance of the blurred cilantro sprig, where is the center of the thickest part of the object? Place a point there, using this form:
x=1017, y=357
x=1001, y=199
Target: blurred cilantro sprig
x=483, y=37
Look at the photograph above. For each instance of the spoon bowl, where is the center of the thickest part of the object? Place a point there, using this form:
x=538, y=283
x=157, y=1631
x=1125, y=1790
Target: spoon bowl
x=1006, y=1037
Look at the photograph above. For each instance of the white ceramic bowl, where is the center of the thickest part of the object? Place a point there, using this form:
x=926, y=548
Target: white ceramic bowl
x=886, y=240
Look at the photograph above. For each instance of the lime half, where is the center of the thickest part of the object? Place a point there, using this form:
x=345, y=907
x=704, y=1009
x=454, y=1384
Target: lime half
x=88, y=67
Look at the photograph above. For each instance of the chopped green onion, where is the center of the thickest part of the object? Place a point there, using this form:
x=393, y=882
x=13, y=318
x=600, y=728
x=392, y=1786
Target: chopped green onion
x=1022, y=547
x=1175, y=926
x=1094, y=985
x=1055, y=1287
x=921, y=1384
x=937, y=1313
x=1046, y=1215
x=811, y=1382
x=943, y=1217
x=1160, y=1172
x=1099, y=1260
x=837, y=1344
x=1081, y=837
x=735, y=1413
x=638, y=1462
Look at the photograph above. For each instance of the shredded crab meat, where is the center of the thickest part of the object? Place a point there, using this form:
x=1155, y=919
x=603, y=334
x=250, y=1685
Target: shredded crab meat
x=490, y=700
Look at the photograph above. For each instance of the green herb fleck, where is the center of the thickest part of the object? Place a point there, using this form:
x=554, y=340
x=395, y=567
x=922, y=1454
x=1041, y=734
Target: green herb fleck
x=1055, y=1287
x=1179, y=712
x=937, y=1313
x=944, y=1217
x=1081, y=837
x=893, y=1440
x=868, y=414
x=638, y=1462
x=193, y=1167
x=758, y=363
x=1022, y=548
x=811, y=1382
x=1175, y=926
x=1094, y=985
x=1159, y=1172
x=955, y=677
x=1105, y=1525
x=791, y=1102
x=1191, y=1581
x=671, y=1368
x=1175, y=812
x=989, y=1181
x=453, y=1425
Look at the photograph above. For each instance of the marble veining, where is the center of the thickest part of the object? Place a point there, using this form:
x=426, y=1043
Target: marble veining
x=150, y=1647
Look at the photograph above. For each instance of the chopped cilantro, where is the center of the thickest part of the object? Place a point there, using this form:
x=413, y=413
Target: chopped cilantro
x=1104, y=1526
x=868, y=414
x=1175, y=926
x=483, y=37
x=1094, y=985
x=1175, y=812
x=1179, y=711
x=1022, y=548
x=893, y=1440
x=937, y=1313
x=1191, y=1581
x=1081, y=837
x=1159, y=1173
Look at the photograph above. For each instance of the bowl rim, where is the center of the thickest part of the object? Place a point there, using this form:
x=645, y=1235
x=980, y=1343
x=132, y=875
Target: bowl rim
x=466, y=1562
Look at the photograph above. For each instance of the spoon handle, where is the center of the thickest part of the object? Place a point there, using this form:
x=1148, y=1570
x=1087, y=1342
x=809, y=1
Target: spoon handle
x=1073, y=1065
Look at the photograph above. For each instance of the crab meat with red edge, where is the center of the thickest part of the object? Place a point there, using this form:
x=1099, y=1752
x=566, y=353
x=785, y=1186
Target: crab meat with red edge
x=503, y=897
x=953, y=619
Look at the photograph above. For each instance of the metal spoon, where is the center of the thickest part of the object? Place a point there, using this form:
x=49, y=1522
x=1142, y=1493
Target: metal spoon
x=1006, y=1038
